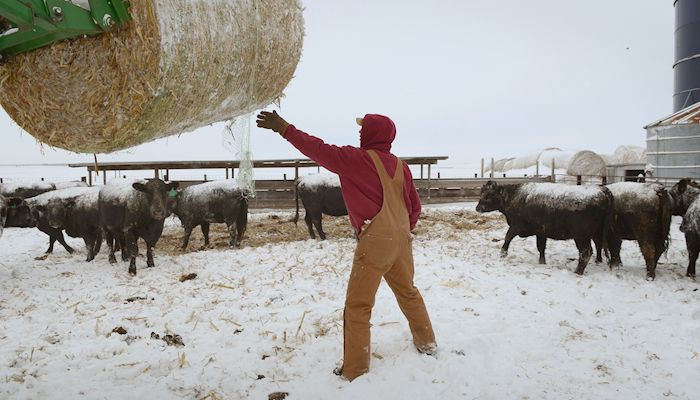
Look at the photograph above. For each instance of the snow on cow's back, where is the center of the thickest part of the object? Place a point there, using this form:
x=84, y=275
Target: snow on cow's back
x=312, y=182
x=11, y=188
x=634, y=192
x=209, y=188
x=561, y=196
x=120, y=190
x=691, y=219
x=63, y=195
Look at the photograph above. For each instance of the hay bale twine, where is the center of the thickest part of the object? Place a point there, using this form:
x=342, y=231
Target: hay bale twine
x=179, y=65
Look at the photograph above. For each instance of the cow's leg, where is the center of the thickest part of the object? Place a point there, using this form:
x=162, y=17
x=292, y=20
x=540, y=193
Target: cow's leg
x=89, y=246
x=309, y=225
x=98, y=243
x=233, y=234
x=149, y=254
x=598, y=249
x=692, y=241
x=649, y=253
x=52, y=240
x=109, y=237
x=205, y=233
x=541, y=247
x=186, y=238
x=319, y=227
x=509, y=238
x=62, y=240
x=133, y=251
x=614, y=246
x=125, y=248
x=585, y=251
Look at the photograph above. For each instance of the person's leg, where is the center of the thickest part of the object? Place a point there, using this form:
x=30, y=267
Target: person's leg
x=400, y=280
x=373, y=257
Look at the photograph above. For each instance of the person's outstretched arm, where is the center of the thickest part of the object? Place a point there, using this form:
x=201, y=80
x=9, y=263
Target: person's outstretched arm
x=339, y=160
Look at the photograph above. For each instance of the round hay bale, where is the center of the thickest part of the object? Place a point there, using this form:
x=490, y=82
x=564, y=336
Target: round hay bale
x=179, y=65
x=587, y=163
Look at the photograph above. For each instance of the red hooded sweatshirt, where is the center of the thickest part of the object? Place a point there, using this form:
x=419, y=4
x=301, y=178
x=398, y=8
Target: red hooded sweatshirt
x=359, y=180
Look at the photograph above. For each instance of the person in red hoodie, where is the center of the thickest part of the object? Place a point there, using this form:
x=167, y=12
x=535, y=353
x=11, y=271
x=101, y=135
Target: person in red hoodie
x=384, y=207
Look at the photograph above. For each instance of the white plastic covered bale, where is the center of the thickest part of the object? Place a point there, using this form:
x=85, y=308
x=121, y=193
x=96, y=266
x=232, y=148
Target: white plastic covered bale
x=179, y=65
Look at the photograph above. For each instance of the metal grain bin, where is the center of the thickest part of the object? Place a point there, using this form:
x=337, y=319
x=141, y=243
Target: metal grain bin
x=673, y=145
x=687, y=66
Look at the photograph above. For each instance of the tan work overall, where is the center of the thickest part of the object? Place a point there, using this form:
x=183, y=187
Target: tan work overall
x=384, y=249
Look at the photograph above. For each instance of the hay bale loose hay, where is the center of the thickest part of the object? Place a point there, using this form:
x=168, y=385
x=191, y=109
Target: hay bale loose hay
x=179, y=65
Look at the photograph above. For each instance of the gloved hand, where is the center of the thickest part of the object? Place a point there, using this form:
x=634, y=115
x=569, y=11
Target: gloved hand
x=272, y=120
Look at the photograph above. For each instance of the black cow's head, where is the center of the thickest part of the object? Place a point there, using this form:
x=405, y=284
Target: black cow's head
x=18, y=214
x=173, y=200
x=52, y=213
x=491, y=198
x=683, y=193
x=157, y=193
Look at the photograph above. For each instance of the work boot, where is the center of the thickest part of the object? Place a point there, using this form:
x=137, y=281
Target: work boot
x=428, y=350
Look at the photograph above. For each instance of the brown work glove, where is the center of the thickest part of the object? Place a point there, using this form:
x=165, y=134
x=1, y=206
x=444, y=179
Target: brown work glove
x=272, y=120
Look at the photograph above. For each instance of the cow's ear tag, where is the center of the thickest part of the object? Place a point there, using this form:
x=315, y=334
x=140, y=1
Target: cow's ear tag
x=172, y=193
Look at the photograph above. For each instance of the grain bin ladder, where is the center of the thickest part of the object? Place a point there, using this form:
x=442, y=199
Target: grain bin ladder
x=27, y=25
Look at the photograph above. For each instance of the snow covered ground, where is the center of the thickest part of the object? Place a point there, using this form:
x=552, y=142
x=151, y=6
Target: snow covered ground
x=267, y=318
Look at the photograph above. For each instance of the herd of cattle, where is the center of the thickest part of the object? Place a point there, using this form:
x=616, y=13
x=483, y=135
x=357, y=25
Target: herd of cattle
x=122, y=212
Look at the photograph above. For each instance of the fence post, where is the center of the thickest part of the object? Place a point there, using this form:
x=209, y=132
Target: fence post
x=554, y=177
x=493, y=164
x=482, y=169
x=579, y=180
x=205, y=177
x=605, y=180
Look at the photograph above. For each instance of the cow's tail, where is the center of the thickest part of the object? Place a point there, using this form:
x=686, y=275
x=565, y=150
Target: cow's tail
x=665, y=211
x=242, y=220
x=296, y=199
x=608, y=221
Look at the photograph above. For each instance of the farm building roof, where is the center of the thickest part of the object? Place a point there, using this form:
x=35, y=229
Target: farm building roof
x=689, y=115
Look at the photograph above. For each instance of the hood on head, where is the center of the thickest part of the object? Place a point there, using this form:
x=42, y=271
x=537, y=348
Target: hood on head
x=377, y=133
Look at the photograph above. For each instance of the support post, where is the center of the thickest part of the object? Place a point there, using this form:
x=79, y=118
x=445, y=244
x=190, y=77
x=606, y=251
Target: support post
x=579, y=180
x=156, y=173
x=104, y=177
x=421, y=171
x=482, y=168
x=554, y=177
x=226, y=172
x=493, y=165
x=89, y=177
x=429, y=178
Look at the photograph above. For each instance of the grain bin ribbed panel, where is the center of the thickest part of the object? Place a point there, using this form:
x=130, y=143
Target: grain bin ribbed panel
x=179, y=65
x=673, y=145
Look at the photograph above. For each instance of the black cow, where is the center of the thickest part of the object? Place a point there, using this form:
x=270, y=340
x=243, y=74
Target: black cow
x=642, y=213
x=319, y=196
x=132, y=211
x=212, y=202
x=8, y=208
x=686, y=203
x=49, y=213
x=83, y=221
x=26, y=191
x=553, y=211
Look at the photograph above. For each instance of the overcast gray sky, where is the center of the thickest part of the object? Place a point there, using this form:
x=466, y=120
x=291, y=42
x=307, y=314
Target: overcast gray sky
x=462, y=78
